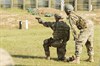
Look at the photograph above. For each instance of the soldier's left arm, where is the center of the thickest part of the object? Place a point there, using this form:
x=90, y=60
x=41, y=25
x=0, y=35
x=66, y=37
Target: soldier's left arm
x=44, y=23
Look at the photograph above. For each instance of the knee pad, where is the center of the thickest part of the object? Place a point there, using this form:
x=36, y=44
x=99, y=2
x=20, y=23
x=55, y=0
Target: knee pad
x=48, y=41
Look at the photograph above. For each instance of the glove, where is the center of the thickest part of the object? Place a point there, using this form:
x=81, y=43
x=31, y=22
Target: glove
x=39, y=20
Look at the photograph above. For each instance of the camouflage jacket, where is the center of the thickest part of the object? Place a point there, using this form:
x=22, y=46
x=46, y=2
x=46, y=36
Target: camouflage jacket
x=82, y=22
x=60, y=29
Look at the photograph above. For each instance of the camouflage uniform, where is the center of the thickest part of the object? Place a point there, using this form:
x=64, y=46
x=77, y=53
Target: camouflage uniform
x=85, y=36
x=61, y=35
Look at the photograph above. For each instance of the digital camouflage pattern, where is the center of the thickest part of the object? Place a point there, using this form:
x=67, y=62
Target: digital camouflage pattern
x=85, y=36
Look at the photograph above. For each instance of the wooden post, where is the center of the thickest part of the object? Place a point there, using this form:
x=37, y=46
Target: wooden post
x=62, y=5
x=90, y=5
x=0, y=3
x=53, y=2
x=49, y=3
x=23, y=4
x=20, y=24
x=37, y=5
x=75, y=3
x=12, y=3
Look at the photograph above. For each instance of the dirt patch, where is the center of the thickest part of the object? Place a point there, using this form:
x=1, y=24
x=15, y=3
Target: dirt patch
x=49, y=10
x=12, y=20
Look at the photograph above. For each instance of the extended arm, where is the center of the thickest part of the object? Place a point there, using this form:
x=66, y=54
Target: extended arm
x=46, y=24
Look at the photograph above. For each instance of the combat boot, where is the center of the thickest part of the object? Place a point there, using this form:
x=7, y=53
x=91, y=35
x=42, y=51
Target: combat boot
x=76, y=60
x=90, y=59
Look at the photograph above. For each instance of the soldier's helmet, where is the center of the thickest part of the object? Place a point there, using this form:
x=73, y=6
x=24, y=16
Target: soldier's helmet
x=68, y=7
x=58, y=16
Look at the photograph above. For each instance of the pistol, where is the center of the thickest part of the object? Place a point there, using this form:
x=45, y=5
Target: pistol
x=37, y=18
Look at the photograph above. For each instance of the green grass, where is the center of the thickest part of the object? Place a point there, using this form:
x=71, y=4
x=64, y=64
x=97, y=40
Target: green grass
x=26, y=48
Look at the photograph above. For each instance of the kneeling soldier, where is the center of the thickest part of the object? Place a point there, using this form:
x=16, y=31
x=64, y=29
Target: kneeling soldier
x=61, y=34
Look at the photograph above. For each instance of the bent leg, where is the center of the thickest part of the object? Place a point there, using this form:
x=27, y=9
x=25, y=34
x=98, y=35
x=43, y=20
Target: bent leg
x=89, y=46
x=46, y=48
x=83, y=36
x=90, y=51
x=82, y=39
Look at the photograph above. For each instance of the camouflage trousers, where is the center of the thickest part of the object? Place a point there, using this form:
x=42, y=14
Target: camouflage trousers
x=85, y=38
x=61, y=47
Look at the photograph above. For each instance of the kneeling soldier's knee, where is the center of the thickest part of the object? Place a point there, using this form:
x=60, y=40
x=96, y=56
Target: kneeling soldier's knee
x=46, y=43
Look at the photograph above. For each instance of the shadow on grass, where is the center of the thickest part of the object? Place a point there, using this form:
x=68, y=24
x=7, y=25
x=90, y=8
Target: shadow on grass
x=26, y=56
x=23, y=65
x=34, y=57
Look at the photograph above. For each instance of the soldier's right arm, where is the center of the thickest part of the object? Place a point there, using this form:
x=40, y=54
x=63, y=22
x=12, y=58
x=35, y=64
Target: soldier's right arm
x=46, y=24
x=73, y=27
x=39, y=20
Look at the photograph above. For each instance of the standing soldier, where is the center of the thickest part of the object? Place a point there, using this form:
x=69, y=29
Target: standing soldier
x=85, y=36
x=61, y=34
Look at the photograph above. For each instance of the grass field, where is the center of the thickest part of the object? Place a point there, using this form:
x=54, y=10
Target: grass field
x=26, y=48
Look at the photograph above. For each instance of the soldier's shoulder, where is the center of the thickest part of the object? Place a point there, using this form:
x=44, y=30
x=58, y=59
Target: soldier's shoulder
x=66, y=25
